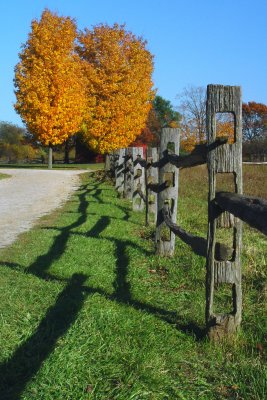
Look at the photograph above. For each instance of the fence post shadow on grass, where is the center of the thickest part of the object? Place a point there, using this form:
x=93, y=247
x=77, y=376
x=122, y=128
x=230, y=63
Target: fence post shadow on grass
x=28, y=358
x=12, y=374
x=43, y=262
x=122, y=287
x=122, y=294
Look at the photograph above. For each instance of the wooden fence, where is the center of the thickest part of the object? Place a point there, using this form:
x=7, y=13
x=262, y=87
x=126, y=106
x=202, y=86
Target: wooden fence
x=151, y=183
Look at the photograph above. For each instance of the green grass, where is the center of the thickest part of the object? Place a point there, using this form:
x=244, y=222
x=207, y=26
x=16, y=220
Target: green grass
x=89, y=312
x=4, y=176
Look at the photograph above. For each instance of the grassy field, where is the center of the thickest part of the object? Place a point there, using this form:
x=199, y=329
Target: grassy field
x=89, y=312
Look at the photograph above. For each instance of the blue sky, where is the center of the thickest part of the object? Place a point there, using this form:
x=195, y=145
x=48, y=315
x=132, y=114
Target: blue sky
x=194, y=42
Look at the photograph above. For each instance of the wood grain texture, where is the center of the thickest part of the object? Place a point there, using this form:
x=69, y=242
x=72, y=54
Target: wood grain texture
x=165, y=238
x=119, y=170
x=138, y=180
x=223, y=159
x=129, y=174
x=251, y=210
x=152, y=177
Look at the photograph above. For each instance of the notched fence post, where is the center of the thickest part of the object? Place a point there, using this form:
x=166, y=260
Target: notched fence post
x=152, y=178
x=223, y=275
x=139, y=190
x=168, y=180
x=129, y=174
x=119, y=160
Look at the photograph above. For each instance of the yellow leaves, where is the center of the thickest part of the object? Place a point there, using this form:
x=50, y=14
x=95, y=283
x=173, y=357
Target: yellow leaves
x=118, y=70
x=105, y=89
x=49, y=81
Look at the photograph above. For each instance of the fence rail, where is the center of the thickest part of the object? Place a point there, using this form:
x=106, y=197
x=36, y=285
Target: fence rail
x=153, y=182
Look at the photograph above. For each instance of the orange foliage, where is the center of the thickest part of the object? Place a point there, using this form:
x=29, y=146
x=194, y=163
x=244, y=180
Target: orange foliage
x=226, y=129
x=254, y=120
x=118, y=70
x=50, y=87
x=188, y=139
x=151, y=133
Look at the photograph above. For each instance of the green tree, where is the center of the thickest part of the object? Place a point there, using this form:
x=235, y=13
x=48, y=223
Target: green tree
x=165, y=113
x=13, y=143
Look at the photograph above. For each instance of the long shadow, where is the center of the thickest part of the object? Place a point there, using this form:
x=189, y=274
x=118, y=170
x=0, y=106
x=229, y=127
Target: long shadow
x=122, y=287
x=99, y=227
x=98, y=199
x=43, y=262
x=28, y=358
x=26, y=361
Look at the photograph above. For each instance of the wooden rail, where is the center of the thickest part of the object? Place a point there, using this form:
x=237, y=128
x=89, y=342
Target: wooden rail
x=251, y=210
x=225, y=210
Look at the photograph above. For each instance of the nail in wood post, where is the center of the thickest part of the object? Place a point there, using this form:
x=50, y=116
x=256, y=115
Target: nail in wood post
x=152, y=177
x=168, y=177
x=224, y=159
x=128, y=179
x=139, y=191
x=119, y=171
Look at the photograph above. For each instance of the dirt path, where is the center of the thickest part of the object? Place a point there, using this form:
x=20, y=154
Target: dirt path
x=28, y=195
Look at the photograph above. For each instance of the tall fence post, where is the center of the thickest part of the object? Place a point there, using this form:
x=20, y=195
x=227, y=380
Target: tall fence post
x=119, y=170
x=112, y=163
x=139, y=189
x=223, y=275
x=168, y=195
x=129, y=174
x=152, y=178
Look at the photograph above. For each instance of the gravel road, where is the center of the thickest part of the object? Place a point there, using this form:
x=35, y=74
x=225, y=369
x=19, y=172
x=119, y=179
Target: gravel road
x=28, y=195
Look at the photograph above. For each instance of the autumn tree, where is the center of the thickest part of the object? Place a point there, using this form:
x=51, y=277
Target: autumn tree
x=161, y=115
x=225, y=126
x=49, y=81
x=119, y=77
x=254, y=116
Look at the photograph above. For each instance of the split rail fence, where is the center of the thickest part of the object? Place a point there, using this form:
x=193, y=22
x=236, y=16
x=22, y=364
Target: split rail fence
x=152, y=185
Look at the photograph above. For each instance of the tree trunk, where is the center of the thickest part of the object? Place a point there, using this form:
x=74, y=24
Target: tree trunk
x=107, y=162
x=67, y=152
x=50, y=157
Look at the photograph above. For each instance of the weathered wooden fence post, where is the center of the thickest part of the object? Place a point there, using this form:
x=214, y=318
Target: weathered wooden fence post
x=152, y=178
x=168, y=192
x=129, y=174
x=139, y=190
x=223, y=275
x=112, y=163
x=119, y=170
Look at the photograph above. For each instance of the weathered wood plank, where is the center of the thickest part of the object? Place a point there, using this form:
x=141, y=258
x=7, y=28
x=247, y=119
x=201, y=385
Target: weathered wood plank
x=198, y=244
x=251, y=210
x=138, y=180
x=165, y=238
x=151, y=177
x=223, y=159
x=198, y=155
x=129, y=174
x=119, y=170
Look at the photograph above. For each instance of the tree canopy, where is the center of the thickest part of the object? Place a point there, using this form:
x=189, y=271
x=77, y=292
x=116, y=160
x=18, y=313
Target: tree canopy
x=161, y=115
x=118, y=68
x=49, y=82
x=254, y=117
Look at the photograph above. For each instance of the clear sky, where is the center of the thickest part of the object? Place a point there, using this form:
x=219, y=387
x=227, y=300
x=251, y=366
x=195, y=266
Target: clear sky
x=194, y=42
